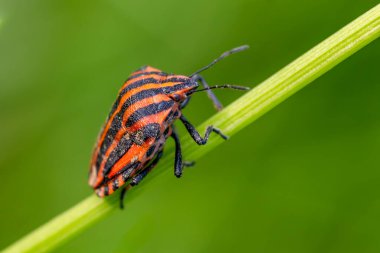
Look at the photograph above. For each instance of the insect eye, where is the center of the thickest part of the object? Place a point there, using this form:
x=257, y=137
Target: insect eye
x=176, y=97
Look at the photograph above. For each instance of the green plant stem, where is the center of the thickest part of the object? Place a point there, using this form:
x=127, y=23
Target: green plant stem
x=232, y=119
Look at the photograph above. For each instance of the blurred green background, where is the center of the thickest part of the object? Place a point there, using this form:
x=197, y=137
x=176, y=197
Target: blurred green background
x=303, y=178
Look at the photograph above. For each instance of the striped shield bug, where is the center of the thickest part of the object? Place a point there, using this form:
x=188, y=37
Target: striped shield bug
x=141, y=120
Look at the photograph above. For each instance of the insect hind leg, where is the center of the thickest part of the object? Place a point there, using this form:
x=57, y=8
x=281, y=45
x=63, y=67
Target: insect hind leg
x=140, y=176
x=122, y=195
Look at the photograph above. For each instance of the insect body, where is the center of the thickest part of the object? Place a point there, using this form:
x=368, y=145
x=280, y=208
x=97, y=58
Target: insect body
x=141, y=120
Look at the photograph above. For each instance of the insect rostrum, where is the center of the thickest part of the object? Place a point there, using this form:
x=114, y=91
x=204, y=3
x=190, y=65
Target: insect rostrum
x=141, y=120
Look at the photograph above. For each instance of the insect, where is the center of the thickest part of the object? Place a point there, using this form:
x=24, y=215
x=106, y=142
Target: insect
x=132, y=139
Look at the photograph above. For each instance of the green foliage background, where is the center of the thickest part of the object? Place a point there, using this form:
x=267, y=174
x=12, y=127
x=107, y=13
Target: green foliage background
x=303, y=178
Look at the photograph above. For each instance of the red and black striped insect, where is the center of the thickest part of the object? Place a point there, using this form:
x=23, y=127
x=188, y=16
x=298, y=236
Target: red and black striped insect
x=141, y=120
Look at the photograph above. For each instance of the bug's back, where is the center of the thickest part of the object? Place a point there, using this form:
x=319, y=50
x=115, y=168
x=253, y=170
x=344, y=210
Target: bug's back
x=136, y=128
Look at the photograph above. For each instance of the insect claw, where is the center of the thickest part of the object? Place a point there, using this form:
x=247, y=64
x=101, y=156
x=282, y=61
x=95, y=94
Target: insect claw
x=178, y=174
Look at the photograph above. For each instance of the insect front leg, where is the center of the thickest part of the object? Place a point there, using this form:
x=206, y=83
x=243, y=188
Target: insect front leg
x=178, y=163
x=217, y=104
x=140, y=176
x=195, y=134
x=184, y=103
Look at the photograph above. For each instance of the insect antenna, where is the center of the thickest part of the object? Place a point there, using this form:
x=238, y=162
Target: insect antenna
x=224, y=86
x=224, y=55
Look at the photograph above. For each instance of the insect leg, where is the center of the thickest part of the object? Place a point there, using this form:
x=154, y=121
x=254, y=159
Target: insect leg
x=178, y=166
x=196, y=136
x=122, y=195
x=178, y=163
x=184, y=103
x=137, y=179
x=140, y=176
x=217, y=104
